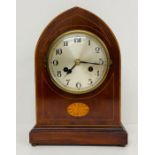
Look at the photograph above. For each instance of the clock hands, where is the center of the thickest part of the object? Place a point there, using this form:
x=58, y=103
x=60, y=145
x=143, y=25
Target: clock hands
x=85, y=62
x=69, y=71
x=77, y=62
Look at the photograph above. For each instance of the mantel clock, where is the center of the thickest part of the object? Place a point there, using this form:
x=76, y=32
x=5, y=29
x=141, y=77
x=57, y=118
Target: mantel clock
x=77, y=75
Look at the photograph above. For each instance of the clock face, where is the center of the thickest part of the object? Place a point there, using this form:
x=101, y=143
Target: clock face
x=78, y=62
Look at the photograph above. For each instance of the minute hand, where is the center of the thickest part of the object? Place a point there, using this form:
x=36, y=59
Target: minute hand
x=93, y=63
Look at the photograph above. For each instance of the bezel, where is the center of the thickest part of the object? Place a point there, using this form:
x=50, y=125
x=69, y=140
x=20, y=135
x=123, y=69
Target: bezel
x=70, y=90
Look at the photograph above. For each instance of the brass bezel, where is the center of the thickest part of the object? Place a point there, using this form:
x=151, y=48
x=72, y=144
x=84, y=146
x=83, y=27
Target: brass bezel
x=107, y=55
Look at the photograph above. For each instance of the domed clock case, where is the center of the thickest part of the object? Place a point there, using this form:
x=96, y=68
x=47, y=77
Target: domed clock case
x=65, y=118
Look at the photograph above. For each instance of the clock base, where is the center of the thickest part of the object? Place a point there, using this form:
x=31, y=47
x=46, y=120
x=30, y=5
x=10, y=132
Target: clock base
x=78, y=136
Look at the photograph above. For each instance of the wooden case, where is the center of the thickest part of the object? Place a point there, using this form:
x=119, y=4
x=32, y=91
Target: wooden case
x=102, y=126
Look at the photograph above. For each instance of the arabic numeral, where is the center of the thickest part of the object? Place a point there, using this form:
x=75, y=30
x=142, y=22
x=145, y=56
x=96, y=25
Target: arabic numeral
x=58, y=73
x=97, y=49
x=58, y=51
x=55, y=62
x=67, y=80
x=98, y=73
x=90, y=81
x=77, y=40
x=78, y=85
x=65, y=43
x=101, y=62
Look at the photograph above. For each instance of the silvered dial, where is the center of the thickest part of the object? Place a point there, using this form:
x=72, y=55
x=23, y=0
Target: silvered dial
x=78, y=62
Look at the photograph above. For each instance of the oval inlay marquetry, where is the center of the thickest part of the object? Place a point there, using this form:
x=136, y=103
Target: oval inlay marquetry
x=78, y=109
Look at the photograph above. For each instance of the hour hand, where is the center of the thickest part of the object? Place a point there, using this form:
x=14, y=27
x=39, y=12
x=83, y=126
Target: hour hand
x=76, y=62
x=70, y=70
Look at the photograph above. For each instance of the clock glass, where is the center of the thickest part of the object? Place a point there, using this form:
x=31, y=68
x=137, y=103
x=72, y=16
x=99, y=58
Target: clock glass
x=78, y=61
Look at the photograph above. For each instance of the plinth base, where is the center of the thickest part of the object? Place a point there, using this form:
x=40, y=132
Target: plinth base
x=78, y=136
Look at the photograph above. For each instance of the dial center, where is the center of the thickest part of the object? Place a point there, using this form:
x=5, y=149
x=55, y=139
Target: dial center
x=77, y=61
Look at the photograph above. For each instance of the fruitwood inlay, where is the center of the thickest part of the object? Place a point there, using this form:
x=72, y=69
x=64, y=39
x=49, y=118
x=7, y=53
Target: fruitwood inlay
x=78, y=109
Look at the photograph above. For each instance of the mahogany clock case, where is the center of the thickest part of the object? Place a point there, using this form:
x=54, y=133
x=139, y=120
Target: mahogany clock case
x=102, y=125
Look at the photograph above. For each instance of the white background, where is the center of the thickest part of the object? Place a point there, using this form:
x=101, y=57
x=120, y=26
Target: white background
x=32, y=18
